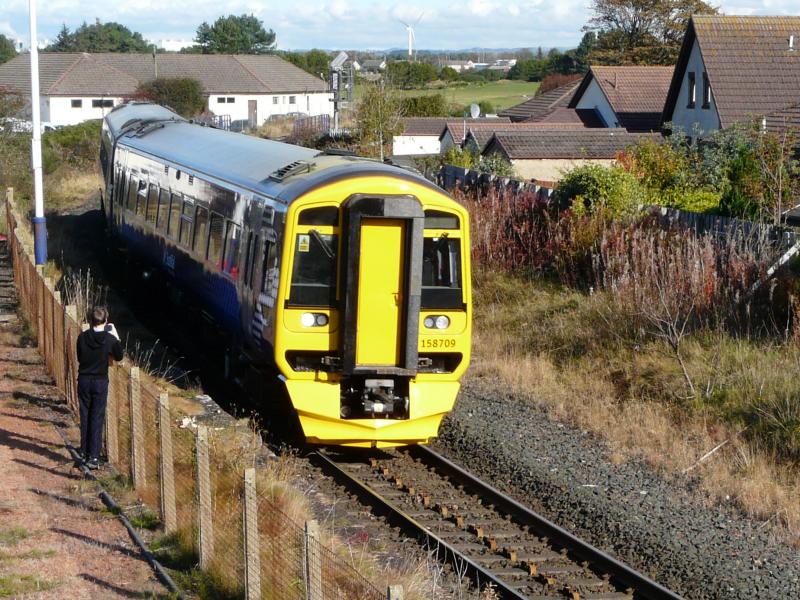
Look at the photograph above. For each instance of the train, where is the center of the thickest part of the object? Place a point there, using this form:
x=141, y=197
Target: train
x=344, y=278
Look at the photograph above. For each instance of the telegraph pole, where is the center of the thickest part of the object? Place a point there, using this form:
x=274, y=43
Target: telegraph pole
x=39, y=227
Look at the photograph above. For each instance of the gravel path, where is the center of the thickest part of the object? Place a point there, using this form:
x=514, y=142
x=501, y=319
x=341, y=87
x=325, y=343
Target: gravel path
x=661, y=528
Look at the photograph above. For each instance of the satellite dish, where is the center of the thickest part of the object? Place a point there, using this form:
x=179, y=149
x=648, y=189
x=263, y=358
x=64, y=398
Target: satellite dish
x=474, y=111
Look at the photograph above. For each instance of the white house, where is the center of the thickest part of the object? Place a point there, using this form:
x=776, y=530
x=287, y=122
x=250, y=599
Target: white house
x=628, y=97
x=76, y=87
x=732, y=69
x=420, y=136
x=460, y=65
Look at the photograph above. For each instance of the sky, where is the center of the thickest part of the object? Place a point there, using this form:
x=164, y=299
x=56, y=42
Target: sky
x=350, y=24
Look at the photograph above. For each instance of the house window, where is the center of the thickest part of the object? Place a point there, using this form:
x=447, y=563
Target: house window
x=691, y=91
x=292, y=99
x=221, y=100
x=706, y=91
x=274, y=99
x=102, y=103
x=77, y=103
x=230, y=99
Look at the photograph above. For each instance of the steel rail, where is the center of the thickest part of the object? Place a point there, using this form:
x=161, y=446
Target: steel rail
x=444, y=552
x=641, y=584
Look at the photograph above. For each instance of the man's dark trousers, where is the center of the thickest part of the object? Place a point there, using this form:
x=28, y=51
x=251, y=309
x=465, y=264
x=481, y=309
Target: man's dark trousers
x=93, y=393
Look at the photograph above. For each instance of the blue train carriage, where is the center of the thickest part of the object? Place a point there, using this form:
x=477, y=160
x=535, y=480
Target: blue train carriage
x=349, y=277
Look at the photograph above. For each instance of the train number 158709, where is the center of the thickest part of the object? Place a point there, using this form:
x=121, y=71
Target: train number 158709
x=438, y=343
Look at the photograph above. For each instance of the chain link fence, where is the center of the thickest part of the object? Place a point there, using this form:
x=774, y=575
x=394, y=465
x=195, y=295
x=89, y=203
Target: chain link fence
x=204, y=484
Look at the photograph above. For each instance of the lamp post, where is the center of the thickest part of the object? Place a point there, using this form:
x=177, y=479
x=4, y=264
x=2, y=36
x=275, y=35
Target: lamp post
x=39, y=227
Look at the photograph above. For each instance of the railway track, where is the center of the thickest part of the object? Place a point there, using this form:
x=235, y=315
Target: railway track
x=484, y=534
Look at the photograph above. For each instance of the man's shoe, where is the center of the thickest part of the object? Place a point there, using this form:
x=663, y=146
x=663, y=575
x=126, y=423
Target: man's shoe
x=93, y=464
x=80, y=460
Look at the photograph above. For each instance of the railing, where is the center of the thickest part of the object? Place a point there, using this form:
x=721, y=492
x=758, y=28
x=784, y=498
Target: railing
x=211, y=487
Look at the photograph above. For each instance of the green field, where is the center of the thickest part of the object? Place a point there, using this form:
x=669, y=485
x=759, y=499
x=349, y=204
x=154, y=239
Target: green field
x=501, y=94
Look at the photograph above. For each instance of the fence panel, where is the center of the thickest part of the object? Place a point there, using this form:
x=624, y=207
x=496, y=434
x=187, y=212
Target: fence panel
x=282, y=557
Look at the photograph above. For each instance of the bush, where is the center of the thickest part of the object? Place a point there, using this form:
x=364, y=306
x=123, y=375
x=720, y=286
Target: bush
x=486, y=107
x=700, y=201
x=432, y=105
x=594, y=188
x=183, y=94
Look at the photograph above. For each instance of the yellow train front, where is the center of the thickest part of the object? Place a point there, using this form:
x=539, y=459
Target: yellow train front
x=373, y=311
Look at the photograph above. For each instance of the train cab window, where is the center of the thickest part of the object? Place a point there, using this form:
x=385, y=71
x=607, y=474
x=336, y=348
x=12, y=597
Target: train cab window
x=324, y=215
x=132, y=189
x=200, y=230
x=233, y=239
x=152, y=204
x=436, y=219
x=163, y=210
x=216, y=231
x=187, y=215
x=314, y=269
x=141, y=198
x=174, y=216
x=441, y=273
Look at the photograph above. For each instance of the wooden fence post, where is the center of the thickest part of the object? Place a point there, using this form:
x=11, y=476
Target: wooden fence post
x=112, y=417
x=38, y=284
x=205, y=512
x=395, y=592
x=168, y=508
x=47, y=321
x=252, y=552
x=58, y=365
x=137, y=431
x=313, y=561
x=70, y=374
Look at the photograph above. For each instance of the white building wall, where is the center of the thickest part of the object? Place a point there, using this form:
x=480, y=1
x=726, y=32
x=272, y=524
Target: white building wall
x=58, y=110
x=272, y=104
x=403, y=145
x=594, y=97
x=553, y=169
x=705, y=119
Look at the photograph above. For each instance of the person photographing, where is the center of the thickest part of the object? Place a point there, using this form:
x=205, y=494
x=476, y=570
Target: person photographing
x=97, y=347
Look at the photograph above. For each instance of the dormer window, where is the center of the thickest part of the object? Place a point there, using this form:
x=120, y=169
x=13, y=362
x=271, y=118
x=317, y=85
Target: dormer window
x=706, y=91
x=691, y=91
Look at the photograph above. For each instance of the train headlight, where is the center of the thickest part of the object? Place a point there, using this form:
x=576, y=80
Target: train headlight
x=436, y=322
x=313, y=319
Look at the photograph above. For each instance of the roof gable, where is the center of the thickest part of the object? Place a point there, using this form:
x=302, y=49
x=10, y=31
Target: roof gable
x=541, y=105
x=750, y=67
x=565, y=144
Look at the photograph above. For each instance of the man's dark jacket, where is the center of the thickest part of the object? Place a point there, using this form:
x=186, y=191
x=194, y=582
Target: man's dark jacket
x=94, y=348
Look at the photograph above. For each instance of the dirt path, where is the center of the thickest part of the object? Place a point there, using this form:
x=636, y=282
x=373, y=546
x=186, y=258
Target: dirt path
x=56, y=539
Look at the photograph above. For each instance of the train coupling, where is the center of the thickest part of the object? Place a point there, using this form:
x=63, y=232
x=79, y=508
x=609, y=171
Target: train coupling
x=374, y=398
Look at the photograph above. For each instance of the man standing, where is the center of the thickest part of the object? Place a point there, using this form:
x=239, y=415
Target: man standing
x=96, y=346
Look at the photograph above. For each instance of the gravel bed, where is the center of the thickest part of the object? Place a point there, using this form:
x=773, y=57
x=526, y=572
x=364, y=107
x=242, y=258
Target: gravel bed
x=662, y=528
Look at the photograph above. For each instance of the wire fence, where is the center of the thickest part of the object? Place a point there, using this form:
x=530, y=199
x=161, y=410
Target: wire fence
x=207, y=485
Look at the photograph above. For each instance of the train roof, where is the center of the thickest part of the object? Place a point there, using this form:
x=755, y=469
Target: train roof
x=278, y=170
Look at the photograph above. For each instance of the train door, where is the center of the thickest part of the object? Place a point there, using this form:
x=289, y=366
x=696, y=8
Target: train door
x=383, y=281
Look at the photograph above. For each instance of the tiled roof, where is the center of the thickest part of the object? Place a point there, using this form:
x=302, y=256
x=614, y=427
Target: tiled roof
x=483, y=135
x=459, y=127
x=587, y=117
x=787, y=118
x=424, y=125
x=750, y=66
x=117, y=74
x=565, y=143
x=636, y=93
x=542, y=104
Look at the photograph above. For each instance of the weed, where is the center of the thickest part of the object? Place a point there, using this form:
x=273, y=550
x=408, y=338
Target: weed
x=13, y=536
x=14, y=585
x=146, y=519
x=29, y=555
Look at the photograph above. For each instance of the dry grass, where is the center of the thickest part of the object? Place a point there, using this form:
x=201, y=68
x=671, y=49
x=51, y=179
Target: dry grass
x=68, y=188
x=562, y=351
x=277, y=128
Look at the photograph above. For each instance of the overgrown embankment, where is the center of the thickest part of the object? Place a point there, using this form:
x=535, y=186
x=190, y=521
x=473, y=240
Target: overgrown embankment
x=649, y=336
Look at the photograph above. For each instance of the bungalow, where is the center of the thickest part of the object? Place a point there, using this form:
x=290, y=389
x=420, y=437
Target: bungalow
x=545, y=155
x=732, y=69
x=75, y=87
x=627, y=97
x=479, y=137
x=420, y=136
x=372, y=65
x=541, y=105
x=455, y=130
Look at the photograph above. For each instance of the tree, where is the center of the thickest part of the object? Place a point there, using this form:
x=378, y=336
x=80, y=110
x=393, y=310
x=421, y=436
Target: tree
x=317, y=62
x=378, y=115
x=433, y=105
x=448, y=74
x=99, y=37
x=182, y=94
x=406, y=75
x=244, y=34
x=7, y=50
x=641, y=31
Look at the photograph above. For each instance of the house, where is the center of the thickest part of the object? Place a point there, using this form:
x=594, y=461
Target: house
x=459, y=65
x=541, y=105
x=455, y=130
x=628, y=97
x=420, y=136
x=732, y=69
x=76, y=87
x=545, y=155
x=479, y=137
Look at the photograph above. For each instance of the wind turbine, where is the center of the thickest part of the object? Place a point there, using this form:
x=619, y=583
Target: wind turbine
x=411, y=37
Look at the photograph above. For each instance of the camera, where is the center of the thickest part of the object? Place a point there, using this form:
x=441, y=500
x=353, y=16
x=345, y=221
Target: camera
x=108, y=328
